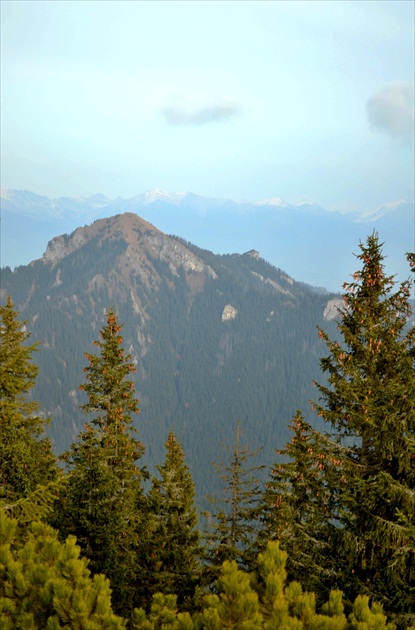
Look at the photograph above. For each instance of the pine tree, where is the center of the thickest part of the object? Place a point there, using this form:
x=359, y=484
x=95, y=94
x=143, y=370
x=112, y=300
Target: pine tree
x=45, y=584
x=287, y=605
x=233, y=530
x=366, y=464
x=164, y=615
x=104, y=505
x=262, y=601
x=26, y=457
x=174, y=537
x=235, y=603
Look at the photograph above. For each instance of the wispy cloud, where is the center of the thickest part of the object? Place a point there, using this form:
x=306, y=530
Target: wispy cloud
x=202, y=115
x=391, y=110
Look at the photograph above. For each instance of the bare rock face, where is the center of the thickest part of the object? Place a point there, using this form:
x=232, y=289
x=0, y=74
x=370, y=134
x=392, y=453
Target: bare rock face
x=275, y=284
x=332, y=309
x=55, y=250
x=175, y=254
x=229, y=313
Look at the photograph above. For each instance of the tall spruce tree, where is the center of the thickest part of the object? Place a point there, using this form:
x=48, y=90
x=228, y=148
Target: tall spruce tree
x=299, y=507
x=233, y=528
x=174, y=537
x=365, y=466
x=104, y=504
x=26, y=458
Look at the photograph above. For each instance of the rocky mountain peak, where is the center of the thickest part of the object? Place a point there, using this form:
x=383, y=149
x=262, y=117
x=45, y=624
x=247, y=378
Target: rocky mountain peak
x=142, y=240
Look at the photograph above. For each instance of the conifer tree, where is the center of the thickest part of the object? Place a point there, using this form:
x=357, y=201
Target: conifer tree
x=234, y=528
x=365, y=465
x=104, y=504
x=163, y=615
x=234, y=605
x=174, y=537
x=26, y=457
x=45, y=584
x=299, y=513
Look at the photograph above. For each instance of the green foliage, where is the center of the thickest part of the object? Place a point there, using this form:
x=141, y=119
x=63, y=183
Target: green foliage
x=300, y=507
x=102, y=505
x=26, y=457
x=262, y=601
x=163, y=615
x=287, y=605
x=234, y=529
x=45, y=584
x=173, y=538
x=363, y=616
x=352, y=490
x=271, y=604
x=38, y=505
x=111, y=395
x=235, y=605
x=17, y=373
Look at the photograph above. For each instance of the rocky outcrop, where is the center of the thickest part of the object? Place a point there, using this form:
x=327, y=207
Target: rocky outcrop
x=229, y=313
x=273, y=283
x=333, y=309
x=175, y=254
x=254, y=254
x=55, y=251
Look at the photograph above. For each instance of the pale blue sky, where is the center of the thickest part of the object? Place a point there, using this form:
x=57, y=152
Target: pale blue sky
x=246, y=100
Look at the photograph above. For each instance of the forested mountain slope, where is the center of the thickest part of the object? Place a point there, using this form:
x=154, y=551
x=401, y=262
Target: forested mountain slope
x=214, y=338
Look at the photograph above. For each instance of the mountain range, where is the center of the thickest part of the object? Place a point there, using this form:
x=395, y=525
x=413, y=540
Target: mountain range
x=215, y=338
x=311, y=244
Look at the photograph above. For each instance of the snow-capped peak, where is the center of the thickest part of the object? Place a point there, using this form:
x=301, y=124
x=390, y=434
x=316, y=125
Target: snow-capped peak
x=273, y=201
x=383, y=210
x=305, y=203
x=151, y=196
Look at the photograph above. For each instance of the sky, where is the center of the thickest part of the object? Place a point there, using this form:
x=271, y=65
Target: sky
x=307, y=101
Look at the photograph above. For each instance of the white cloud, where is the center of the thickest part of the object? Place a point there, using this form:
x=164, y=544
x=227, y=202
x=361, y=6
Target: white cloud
x=202, y=115
x=391, y=110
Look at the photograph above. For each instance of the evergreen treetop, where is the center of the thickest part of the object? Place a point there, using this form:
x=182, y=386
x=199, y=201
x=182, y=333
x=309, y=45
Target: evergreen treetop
x=17, y=372
x=174, y=537
x=359, y=484
x=234, y=527
x=110, y=394
x=26, y=457
x=103, y=504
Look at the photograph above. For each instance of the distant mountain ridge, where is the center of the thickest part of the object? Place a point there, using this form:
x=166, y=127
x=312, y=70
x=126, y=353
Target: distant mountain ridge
x=215, y=338
x=309, y=242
